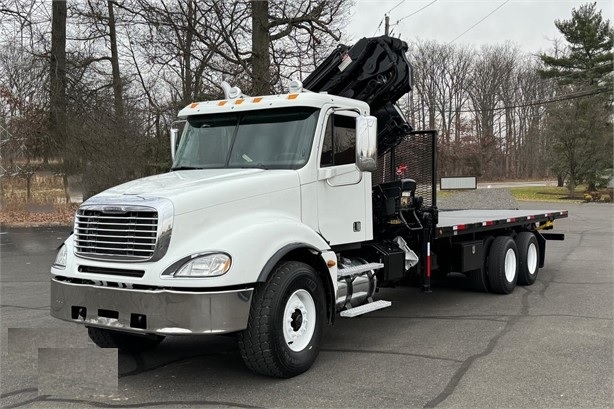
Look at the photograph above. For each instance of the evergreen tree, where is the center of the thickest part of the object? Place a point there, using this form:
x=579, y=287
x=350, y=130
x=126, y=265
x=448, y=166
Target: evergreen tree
x=588, y=60
x=581, y=123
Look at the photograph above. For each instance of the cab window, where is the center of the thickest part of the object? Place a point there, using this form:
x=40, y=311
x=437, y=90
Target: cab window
x=339, y=147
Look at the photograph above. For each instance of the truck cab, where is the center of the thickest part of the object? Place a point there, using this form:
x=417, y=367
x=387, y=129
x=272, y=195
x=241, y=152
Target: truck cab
x=261, y=189
x=308, y=137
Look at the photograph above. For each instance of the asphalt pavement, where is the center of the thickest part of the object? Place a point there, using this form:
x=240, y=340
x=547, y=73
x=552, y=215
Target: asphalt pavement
x=549, y=345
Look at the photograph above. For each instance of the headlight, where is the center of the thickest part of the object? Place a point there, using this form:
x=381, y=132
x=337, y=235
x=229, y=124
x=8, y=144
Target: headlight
x=208, y=265
x=60, y=258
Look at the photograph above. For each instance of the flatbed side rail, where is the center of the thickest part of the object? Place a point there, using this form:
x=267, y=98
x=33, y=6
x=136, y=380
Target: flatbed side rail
x=539, y=220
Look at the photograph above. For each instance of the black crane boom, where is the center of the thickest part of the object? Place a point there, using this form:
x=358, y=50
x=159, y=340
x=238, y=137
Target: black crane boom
x=376, y=71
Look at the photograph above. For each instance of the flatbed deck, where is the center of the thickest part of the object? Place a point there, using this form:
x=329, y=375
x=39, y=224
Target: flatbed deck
x=457, y=222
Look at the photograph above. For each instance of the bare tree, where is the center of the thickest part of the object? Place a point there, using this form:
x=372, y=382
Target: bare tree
x=530, y=140
x=116, y=76
x=425, y=57
x=442, y=78
x=491, y=71
x=308, y=24
x=508, y=94
x=178, y=42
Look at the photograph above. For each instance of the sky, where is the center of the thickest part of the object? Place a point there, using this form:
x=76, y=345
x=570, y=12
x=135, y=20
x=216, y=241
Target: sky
x=527, y=23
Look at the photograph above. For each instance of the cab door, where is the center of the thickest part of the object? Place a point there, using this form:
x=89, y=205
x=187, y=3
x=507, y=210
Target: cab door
x=341, y=188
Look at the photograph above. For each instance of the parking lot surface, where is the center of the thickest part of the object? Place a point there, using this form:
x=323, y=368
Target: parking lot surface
x=548, y=345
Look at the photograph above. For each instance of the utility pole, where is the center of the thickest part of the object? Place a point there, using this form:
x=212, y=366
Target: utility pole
x=387, y=25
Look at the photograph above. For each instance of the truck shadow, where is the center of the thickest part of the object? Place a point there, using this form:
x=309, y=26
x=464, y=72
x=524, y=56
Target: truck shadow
x=182, y=351
x=185, y=356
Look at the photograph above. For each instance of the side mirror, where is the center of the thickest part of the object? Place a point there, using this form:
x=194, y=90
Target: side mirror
x=176, y=129
x=366, y=143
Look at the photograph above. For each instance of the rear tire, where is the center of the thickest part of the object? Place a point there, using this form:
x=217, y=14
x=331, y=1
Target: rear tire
x=285, y=324
x=528, y=258
x=123, y=341
x=479, y=278
x=503, y=265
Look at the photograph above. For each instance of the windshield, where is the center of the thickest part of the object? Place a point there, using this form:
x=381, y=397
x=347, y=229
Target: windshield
x=266, y=139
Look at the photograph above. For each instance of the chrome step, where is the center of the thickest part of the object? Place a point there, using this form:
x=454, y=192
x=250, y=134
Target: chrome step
x=349, y=271
x=363, y=309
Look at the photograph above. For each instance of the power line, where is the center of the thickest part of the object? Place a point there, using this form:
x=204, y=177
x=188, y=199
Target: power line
x=386, y=17
x=521, y=87
x=378, y=27
x=398, y=4
x=565, y=97
x=485, y=17
x=417, y=11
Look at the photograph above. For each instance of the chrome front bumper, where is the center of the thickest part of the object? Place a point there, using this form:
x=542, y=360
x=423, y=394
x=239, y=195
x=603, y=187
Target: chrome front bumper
x=163, y=312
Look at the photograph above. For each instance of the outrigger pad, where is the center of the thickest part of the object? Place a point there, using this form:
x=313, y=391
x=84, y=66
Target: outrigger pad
x=376, y=71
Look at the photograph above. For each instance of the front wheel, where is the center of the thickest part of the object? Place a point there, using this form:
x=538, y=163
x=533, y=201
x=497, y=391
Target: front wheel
x=286, y=320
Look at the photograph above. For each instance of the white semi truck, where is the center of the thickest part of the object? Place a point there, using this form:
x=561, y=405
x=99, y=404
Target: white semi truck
x=279, y=215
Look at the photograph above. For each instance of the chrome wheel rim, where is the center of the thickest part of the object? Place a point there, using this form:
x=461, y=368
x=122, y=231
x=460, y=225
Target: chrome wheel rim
x=299, y=320
x=510, y=265
x=532, y=259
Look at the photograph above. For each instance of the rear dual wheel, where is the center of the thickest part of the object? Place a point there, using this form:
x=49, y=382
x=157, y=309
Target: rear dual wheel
x=503, y=265
x=528, y=258
x=509, y=262
x=479, y=277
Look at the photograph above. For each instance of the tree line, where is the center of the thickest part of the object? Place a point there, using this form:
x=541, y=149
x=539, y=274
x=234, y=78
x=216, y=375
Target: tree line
x=505, y=114
x=91, y=87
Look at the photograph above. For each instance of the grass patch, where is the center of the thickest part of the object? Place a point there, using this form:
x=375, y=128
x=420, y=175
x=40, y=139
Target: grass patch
x=442, y=194
x=547, y=194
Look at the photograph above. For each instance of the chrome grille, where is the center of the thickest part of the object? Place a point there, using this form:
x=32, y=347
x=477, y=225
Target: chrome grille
x=127, y=233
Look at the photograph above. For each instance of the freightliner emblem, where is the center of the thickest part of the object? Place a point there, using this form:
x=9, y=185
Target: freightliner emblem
x=114, y=209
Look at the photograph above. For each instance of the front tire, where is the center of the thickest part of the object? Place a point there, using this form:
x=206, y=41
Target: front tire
x=123, y=341
x=503, y=265
x=286, y=320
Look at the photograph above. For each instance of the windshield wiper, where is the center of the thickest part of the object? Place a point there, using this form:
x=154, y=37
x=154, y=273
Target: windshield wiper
x=255, y=166
x=185, y=168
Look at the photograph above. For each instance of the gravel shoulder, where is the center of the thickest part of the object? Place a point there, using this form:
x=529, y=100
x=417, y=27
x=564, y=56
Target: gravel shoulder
x=496, y=198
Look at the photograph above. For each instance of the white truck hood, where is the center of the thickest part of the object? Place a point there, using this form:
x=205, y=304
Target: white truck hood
x=192, y=190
